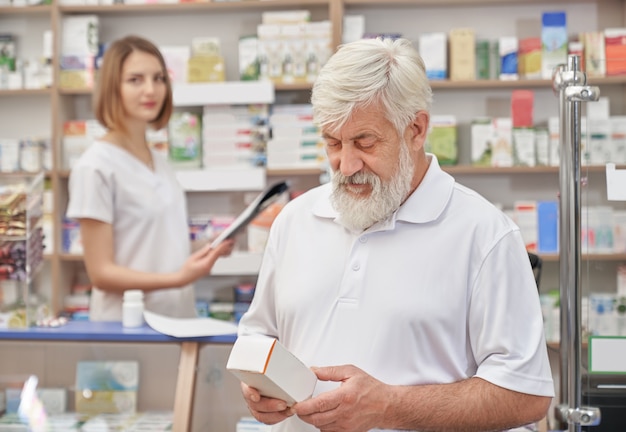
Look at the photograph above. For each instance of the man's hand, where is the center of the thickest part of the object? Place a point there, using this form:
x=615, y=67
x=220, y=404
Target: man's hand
x=357, y=405
x=266, y=410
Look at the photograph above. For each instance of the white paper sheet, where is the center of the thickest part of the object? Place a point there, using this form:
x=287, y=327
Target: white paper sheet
x=607, y=355
x=615, y=183
x=189, y=327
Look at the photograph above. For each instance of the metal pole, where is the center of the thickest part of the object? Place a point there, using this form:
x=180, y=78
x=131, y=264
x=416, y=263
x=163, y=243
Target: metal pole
x=565, y=232
x=571, y=83
x=574, y=316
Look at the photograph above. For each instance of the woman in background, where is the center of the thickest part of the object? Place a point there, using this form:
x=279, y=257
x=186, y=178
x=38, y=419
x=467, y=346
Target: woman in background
x=131, y=209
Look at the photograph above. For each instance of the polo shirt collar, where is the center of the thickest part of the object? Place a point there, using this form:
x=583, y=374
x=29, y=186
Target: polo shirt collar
x=430, y=198
x=424, y=205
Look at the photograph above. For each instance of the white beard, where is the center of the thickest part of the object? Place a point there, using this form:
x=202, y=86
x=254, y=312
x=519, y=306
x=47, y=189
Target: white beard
x=359, y=213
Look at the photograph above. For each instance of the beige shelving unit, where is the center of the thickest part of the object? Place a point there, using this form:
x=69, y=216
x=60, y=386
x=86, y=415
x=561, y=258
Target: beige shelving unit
x=177, y=23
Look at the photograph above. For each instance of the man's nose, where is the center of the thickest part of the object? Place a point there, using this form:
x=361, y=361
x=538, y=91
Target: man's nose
x=350, y=161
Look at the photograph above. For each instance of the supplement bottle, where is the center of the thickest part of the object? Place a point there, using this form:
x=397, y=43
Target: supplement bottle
x=132, y=308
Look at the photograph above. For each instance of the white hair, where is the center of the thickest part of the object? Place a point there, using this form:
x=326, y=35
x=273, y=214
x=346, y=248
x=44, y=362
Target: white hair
x=385, y=71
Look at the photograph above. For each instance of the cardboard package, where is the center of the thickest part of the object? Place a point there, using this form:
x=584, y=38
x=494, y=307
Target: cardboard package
x=265, y=364
x=462, y=54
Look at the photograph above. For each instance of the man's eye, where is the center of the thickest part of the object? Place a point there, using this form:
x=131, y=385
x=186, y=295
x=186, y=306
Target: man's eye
x=366, y=143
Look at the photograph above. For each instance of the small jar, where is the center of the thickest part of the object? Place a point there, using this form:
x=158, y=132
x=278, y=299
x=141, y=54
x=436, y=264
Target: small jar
x=132, y=308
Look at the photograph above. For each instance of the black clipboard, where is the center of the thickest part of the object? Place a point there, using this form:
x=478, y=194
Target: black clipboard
x=260, y=203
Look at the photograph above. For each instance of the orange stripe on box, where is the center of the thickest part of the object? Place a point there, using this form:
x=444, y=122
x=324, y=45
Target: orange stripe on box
x=269, y=356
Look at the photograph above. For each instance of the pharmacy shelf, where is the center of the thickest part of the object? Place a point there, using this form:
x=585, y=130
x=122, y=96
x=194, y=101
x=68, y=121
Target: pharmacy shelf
x=215, y=93
x=21, y=174
x=588, y=257
x=277, y=86
x=452, y=169
x=556, y=346
x=24, y=10
x=237, y=264
x=218, y=179
x=435, y=84
x=478, y=170
x=295, y=172
x=458, y=170
x=67, y=257
x=241, y=263
x=64, y=174
x=222, y=179
x=513, y=84
x=439, y=3
x=224, y=93
x=190, y=6
x=26, y=92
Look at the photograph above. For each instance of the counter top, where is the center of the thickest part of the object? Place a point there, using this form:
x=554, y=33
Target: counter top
x=105, y=331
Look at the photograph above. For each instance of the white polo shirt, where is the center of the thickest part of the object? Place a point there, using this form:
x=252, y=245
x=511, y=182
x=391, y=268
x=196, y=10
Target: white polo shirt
x=148, y=212
x=441, y=291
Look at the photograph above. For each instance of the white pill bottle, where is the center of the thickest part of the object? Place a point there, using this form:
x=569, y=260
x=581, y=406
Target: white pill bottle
x=132, y=308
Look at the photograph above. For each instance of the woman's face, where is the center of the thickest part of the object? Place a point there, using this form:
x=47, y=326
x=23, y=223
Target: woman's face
x=143, y=87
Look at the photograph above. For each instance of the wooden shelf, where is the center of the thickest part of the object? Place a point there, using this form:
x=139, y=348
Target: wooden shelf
x=435, y=84
x=471, y=170
x=70, y=257
x=512, y=84
x=444, y=3
x=588, y=257
x=192, y=6
x=193, y=94
x=78, y=91
x=237, y=264
x=25, y=10
x=545, y=257
x=25, y=92
x=223, y=93
x=452, y=169
x=478, y=170
x=18, y=174
x=295, y=86
x=294, y=172
x=556, y=346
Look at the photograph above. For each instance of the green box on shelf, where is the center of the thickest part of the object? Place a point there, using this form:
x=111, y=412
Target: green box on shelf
x=442, y=139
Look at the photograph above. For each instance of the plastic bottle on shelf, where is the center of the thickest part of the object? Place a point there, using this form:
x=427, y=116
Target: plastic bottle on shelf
x=132, y=308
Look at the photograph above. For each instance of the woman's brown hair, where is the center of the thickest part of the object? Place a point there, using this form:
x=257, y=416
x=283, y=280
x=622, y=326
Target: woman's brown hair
x=107, y=104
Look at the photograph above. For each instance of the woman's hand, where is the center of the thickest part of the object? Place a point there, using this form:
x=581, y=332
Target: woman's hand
x=202, y=261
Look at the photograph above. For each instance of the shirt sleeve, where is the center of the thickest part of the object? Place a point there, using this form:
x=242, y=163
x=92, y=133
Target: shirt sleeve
x=506, y=324
x=91, y=194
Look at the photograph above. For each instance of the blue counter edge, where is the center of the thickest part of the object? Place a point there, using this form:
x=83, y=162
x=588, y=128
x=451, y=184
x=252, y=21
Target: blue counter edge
x=104, y=331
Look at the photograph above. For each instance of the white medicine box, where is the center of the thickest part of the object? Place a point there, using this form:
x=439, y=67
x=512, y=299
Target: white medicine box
x=266, y=365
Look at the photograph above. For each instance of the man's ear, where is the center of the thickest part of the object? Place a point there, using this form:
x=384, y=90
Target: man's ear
x=419, y=128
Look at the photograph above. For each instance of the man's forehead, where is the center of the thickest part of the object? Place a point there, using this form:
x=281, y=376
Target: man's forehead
x=357, y=126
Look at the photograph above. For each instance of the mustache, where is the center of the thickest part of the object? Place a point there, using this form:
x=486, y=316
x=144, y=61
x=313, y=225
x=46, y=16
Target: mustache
x=356, y=178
